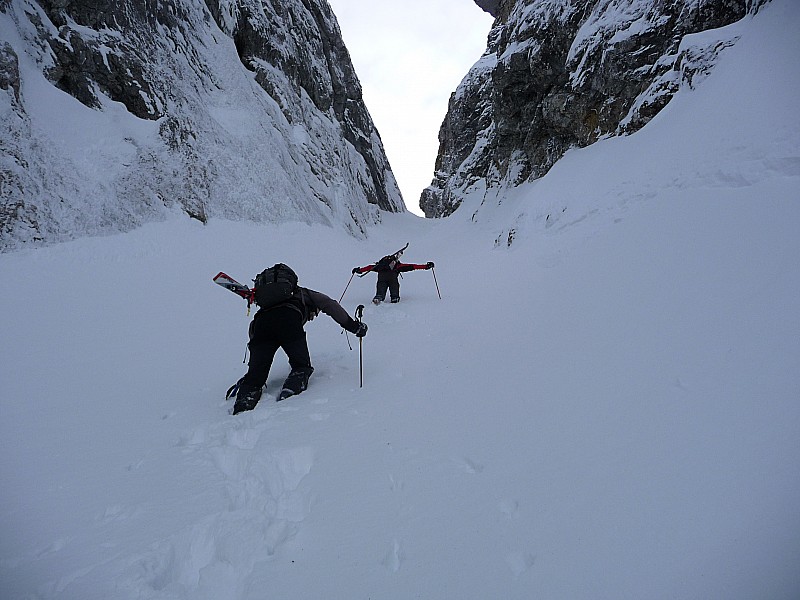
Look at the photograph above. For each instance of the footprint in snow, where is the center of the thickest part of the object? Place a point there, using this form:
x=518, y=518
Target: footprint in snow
x=116, y=512
x=510, y=508
x=469, y=466
x=394, y=557
x=242, y=436
x=56, y=546
x=520, y=562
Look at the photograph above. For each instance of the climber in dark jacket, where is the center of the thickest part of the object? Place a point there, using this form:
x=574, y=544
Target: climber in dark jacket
x=281, y=326
x=388, y=269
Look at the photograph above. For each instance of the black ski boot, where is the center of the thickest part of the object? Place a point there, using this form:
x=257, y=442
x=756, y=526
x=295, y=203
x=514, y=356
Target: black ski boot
x=395, y=300
x=246, y=398
x=295, y=383
x=377, y=300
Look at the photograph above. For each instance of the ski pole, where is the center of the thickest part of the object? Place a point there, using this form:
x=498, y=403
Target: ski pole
x=433, y=270
x=359, y=314
x=347, y=286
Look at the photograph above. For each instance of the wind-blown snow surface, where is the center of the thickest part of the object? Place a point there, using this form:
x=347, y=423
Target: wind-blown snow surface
x=606, y=409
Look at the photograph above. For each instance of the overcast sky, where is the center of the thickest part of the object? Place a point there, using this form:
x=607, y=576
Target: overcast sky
x=410, y=55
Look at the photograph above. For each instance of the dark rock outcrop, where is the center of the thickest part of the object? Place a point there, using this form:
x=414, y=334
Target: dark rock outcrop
x=563, y=73
x=490, y=6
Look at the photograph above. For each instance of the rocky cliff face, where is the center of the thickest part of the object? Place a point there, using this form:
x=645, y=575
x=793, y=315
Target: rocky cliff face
x=117, y=112
x=559, y=74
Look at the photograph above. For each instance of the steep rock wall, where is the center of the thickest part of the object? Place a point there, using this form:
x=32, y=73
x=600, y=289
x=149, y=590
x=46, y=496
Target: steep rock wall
x=559, y=74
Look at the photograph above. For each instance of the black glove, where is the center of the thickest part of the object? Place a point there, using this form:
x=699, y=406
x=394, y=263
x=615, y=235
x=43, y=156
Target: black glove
x=360, y=330
x=355, y=270
x=429, y=265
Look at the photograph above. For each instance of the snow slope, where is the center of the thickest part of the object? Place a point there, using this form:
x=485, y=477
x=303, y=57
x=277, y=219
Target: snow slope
x=606, y=408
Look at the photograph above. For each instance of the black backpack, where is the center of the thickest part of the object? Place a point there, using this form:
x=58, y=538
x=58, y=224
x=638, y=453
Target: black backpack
x=274, y=286
x=387, y=263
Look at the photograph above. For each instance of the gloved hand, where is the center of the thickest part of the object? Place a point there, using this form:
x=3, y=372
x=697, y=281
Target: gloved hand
x=429, y=265
x=361, y=329
x=355, y=270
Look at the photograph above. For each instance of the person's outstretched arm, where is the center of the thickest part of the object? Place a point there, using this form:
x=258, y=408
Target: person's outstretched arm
x=403, y=267
x=362, y=270
x=337, y=312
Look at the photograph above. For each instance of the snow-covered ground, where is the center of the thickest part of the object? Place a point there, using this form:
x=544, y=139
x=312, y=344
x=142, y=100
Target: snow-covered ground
x=608, y=408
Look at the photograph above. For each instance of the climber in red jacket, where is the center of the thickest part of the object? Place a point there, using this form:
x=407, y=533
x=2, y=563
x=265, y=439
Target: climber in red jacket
x=388, y=269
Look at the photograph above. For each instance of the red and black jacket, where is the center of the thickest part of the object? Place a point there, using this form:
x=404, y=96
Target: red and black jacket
x=393, y=267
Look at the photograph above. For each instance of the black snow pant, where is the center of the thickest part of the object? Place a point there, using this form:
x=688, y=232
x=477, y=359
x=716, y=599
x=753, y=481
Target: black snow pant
x=388, y=280
x=279, y=327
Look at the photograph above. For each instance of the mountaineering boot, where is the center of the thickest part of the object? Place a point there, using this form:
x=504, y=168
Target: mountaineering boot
x=377, y=300
x=296, y=382
x=246, y=398
x=395, y=300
